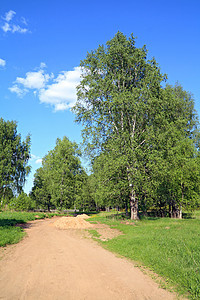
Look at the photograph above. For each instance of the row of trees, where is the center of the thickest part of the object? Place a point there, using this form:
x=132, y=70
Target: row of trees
x=167, y=172
x=140, y=134
x=142, y=137
x=61, y=182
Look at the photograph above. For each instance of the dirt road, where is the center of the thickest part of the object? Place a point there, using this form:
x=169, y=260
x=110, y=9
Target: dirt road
x=58, y=264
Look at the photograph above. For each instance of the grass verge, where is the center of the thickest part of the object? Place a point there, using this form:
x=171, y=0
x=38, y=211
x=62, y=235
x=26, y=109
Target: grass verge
x=168, y=247
x=9, y=233
x=94, y=234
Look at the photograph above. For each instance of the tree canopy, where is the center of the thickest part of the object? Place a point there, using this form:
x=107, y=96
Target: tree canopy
x=14, y=156
x=58, y=182
x=131, y=119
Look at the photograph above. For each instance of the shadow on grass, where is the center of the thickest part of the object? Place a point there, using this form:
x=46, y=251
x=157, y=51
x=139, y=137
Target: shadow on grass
x=119, y=216
x=89, y=213
x=14, y=222
x=149, y=216
x=188, y=216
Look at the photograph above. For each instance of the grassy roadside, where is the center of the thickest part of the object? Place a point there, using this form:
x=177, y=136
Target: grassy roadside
x=170, y=248
x=9, y=233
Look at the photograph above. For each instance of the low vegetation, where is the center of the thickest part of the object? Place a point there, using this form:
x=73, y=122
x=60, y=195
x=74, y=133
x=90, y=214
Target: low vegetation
x=9, y=232
x=169, y=247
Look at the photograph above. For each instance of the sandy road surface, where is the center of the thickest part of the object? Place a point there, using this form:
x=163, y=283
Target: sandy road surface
x=57, y=264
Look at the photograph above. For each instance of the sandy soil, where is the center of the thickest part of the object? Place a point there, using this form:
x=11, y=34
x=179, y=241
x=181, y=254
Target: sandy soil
x=59, y=264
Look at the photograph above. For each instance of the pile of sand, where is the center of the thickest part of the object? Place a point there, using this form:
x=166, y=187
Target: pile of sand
x=71, y=222
x=83, y=216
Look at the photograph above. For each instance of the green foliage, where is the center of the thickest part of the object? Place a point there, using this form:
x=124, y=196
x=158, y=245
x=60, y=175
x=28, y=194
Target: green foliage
x=58, y=183
x=117, y=94
x=169, y=247
x=40, y=193
x=110, y=181
x=143, y=139
x=21, y=203
x=14, y=155
x=85, y=198
x=173, y=164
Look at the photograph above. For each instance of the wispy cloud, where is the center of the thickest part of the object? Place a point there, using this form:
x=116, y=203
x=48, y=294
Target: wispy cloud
x=59, y=92
x=6, y=27
x=36, y=159
x=16, y=89
x=11, y=24
x=17, y=28
x=9, y=15
x=23, y=20
x=2, y=62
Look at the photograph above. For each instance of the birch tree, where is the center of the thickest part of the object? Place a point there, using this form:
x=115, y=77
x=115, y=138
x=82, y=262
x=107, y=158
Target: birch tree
x=117, y=100
x=58, y=182
x=174, y=160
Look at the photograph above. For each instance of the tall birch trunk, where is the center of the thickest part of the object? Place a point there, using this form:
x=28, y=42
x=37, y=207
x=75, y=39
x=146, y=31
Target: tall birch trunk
x=132, y=197
x=133, y=205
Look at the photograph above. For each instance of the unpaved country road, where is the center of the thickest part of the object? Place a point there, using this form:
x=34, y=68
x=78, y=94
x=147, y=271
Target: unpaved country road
x=57, y=264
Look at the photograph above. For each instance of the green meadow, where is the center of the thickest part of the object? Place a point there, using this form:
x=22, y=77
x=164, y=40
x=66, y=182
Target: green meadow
x=168, y=247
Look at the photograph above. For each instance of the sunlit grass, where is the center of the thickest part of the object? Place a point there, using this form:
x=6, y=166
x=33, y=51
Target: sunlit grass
x=9, y=233
x=170, y=248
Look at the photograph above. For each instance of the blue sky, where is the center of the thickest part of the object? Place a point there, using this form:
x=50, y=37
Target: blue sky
x=42, y=43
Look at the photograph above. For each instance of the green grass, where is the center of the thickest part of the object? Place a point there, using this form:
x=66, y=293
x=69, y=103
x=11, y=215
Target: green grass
x=94, y=233
x=170, y=248
x=9, y=234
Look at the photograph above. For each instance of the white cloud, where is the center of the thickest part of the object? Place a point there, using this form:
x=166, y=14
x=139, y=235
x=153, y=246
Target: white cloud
x=59, y=92
x=36, y=159
x=42, y=65
x=17, y=28
x=9, y=15
x=6, y=27
x=62, y=93
x=11, y=26
x=2, y=62
x=33, y=156
x=33, y=80
x=23, y=20
x=15, y=89
x=61, y=106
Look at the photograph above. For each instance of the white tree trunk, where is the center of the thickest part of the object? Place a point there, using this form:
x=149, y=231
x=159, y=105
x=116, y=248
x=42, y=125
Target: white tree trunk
x=133, y=206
